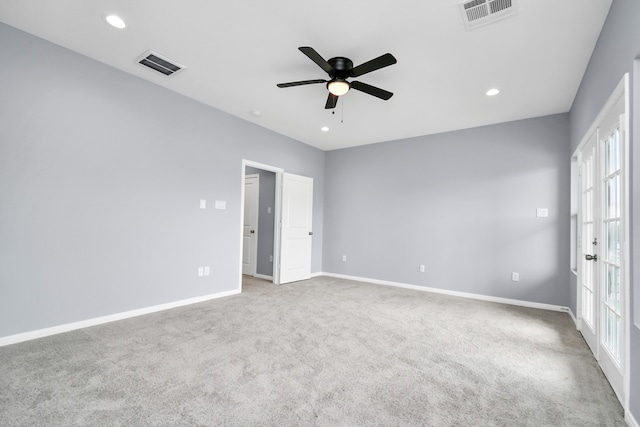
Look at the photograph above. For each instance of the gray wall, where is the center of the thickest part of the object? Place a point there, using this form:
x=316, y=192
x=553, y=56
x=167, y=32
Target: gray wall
x=461, y=203
x=100, y=178
x=614, y=54
x=266, y=224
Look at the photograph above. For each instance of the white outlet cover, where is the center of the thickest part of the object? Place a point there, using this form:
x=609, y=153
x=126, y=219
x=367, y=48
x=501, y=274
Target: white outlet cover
x=200, y=271
x=344, y=258
x=207, y=270
x=542, y=212
x=221, y=204
x=203, y=204
x=515, y=277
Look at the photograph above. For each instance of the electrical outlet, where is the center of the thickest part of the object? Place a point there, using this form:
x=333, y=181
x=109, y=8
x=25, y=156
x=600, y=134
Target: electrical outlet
x=270, y=258
x=203, y=204
x=421, y=268
x=515, y=277
x=200, y=271
x=207, y=270
x=344, y=258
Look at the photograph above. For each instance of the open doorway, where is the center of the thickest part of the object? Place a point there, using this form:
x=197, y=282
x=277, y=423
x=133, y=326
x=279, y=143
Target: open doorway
x=268, y=213
x=258, y=243
x=285, y=253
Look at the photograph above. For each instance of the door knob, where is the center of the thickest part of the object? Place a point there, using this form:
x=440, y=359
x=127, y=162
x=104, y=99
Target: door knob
x=311, y=233
x=591, y=257
x=252, y=231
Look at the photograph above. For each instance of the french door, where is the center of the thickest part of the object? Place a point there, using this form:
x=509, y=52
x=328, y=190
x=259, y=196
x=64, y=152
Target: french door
x=602, y=278
x=588, y=243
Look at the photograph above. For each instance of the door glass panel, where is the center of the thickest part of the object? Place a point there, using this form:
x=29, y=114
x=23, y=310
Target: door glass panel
x=613, y=242
x=612, y=285
x=612, y=153
x=611, y=202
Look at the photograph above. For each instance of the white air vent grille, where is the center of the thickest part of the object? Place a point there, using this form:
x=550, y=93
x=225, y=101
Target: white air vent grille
x=159, y=63
x=476, y=13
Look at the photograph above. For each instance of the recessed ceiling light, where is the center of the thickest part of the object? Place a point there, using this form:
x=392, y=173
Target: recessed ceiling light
x=493, y=92
x=324, y=129
x=115, y=21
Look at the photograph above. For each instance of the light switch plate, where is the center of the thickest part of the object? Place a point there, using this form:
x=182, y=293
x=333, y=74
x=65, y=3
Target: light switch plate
x=221, y=204
x=207, y=270
x=542, y=212
x=203, y=204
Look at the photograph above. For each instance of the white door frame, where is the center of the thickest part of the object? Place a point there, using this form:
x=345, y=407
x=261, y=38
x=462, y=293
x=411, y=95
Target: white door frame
x=277, y=210
x=622, y=90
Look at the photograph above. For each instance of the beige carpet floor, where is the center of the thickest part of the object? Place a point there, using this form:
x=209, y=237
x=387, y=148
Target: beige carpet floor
x=323, y=352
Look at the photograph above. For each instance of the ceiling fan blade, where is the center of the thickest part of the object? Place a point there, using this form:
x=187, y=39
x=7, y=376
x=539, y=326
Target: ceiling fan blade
x=300, y=83
x=332, y=101
x=371, y=90
x=375, y=64
x=315, y=57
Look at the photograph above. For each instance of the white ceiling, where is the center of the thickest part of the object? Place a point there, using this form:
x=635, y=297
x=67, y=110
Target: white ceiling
x=237, y=51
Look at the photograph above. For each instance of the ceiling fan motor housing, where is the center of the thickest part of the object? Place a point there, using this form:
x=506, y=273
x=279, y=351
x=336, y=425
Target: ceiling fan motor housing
x=341, y=65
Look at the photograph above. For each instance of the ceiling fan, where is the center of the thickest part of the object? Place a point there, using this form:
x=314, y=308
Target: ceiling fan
x=339, y=70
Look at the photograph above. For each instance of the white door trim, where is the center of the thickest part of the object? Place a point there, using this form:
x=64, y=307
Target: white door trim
x=277, y=210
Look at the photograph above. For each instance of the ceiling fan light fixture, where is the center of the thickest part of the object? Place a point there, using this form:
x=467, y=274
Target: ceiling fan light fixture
x=338, y=87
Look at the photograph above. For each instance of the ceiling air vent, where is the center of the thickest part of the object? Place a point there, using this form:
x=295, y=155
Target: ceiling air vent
x=160, y=63
x=476, y=13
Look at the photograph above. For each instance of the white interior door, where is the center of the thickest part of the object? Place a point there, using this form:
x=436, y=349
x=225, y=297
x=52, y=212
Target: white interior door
x=603, y=250
x=250, y=224
x=296, y=230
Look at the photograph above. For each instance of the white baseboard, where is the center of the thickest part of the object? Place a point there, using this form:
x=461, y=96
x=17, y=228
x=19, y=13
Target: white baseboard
x=575, y=321
x=509, y=301
x=318, y=274
x=628, y=417
x=40, y=333
x=264, y=277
